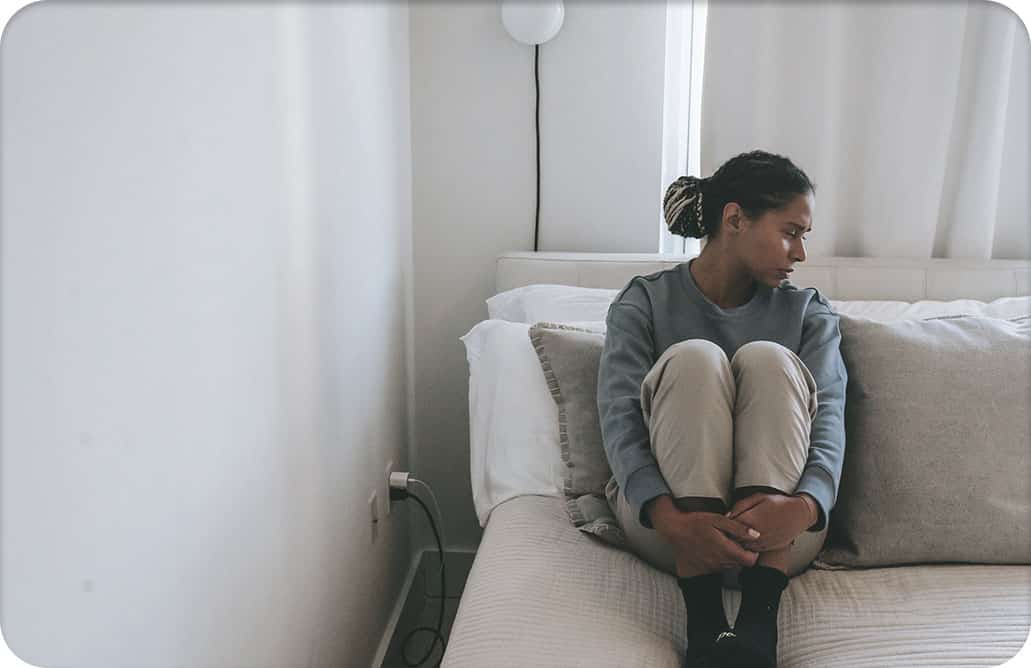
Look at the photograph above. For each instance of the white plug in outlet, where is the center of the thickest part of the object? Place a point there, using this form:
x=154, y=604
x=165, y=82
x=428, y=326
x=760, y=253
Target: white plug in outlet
x=385, y=484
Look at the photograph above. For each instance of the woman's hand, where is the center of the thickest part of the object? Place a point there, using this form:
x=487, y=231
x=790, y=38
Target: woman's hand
x=777, y=517
x=704, y=542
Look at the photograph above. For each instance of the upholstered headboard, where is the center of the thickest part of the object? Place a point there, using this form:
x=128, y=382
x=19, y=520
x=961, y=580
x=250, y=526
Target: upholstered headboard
x=841, y=278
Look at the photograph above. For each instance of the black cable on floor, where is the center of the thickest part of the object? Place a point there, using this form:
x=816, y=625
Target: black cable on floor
x=438, y=636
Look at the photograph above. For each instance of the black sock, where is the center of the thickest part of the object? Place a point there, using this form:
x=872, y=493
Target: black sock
x=703, y=597
x=755, y=644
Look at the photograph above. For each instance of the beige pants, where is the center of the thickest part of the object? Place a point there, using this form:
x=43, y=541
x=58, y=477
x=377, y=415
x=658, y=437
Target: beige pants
x=716, y=425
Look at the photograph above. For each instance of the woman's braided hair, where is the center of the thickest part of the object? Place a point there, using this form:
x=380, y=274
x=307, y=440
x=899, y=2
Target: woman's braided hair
x=758, y=181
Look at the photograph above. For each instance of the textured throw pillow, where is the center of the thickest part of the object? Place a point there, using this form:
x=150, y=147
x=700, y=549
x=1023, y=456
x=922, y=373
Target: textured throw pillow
x=937, y=435
x=569, y=358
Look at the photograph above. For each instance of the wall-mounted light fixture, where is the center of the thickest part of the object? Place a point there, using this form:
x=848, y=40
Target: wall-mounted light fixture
x=534, y=22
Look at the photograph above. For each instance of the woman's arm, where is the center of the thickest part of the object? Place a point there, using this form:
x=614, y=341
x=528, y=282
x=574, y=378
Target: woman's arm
x=821, y=353
x=627, y=357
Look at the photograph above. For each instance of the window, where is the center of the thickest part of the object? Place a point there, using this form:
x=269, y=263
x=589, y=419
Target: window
x=682, y=107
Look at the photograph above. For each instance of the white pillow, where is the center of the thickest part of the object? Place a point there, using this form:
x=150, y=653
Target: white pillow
x=564, y=303
x=551, y=303
x=513, y=420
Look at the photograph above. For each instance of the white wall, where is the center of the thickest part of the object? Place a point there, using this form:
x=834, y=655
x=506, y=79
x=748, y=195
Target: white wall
x=473, y=154
x=206, y=239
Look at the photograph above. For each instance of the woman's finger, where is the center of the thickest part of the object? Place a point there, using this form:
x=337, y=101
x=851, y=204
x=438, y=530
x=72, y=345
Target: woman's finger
x=749, y=502
x=744, y=505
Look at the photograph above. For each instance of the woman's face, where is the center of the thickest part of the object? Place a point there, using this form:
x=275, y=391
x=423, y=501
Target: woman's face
x=770, y=246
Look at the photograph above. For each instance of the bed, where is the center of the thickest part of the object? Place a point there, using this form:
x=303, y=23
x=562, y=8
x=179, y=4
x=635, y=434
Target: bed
x=542, y=592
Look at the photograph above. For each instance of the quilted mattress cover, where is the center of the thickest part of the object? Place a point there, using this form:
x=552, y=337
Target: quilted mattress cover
x=540, y=593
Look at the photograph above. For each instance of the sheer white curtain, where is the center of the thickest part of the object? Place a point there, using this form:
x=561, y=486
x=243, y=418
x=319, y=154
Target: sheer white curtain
x=682, y=105
x=911, y=118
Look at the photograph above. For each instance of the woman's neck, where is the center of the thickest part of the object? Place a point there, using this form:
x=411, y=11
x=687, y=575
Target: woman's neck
x=720, y=280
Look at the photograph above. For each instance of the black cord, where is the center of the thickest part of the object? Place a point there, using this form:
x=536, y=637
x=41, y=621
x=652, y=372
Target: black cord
x=537, y=86
x=443, y=598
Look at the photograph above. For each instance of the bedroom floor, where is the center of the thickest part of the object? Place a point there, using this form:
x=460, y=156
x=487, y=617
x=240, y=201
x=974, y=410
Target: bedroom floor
x=422, y=608
x=423, y=615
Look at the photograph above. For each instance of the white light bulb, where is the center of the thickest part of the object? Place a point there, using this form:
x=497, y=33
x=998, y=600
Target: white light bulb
x=532, y=22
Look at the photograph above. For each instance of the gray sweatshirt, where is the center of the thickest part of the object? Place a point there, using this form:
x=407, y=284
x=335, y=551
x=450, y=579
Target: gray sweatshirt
x=653, y=312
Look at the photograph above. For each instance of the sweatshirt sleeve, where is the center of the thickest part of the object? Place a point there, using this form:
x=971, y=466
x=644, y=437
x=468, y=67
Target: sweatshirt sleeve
x=626, y=358
x=820, y=351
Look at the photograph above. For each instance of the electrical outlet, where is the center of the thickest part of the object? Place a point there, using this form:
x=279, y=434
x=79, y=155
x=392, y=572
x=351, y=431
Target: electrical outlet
x=374, y=514
x=385, y=488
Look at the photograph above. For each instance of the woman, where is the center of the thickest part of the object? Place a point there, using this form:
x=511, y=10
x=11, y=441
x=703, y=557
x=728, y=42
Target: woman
x=721, y=392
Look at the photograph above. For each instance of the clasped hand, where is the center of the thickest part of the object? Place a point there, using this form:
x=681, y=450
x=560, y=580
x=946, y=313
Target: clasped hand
x=778, y=518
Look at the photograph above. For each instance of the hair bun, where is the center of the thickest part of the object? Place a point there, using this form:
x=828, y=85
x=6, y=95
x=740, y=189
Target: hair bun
x=682, y=207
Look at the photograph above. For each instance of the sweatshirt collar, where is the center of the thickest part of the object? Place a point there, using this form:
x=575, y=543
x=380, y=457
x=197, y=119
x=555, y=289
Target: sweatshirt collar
x=760, y=297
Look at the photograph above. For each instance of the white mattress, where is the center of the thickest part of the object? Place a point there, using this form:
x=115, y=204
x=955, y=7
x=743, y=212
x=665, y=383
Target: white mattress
x=540, y=593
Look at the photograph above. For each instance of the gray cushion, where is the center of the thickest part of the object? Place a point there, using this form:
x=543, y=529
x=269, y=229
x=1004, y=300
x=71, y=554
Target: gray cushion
x=569, y=358
x=937, y=435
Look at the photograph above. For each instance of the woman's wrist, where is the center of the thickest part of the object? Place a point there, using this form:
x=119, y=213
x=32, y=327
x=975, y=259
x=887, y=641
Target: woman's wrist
x=812, y=510
x=655, y=508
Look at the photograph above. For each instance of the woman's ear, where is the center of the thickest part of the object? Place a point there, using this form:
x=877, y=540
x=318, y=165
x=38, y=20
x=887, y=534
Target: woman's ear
x=732, y=219
x=735, y=220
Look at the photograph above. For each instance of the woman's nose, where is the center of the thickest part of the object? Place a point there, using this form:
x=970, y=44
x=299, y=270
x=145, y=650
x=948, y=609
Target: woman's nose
x=799, y=251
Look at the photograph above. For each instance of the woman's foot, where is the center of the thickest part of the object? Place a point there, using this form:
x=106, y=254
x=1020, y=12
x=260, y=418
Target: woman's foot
x=706, y=619
x=753, y=642
x=737, y=652
x=705, y=661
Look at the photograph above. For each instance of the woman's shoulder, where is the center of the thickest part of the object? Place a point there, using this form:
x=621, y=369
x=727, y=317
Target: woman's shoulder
x=809, y=299
x=643, y=290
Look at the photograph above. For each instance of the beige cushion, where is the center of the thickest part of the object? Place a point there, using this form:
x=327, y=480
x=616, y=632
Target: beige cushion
x=541, y=594
x=569, y=358
x=937, y=435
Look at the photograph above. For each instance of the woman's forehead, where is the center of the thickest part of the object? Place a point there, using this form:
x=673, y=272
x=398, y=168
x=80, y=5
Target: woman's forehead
x=798, y=211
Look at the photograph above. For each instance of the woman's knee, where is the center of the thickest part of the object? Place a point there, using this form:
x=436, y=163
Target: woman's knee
x=696, y=361
x=765, y=363
x=762, y=355
x=695, y=354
